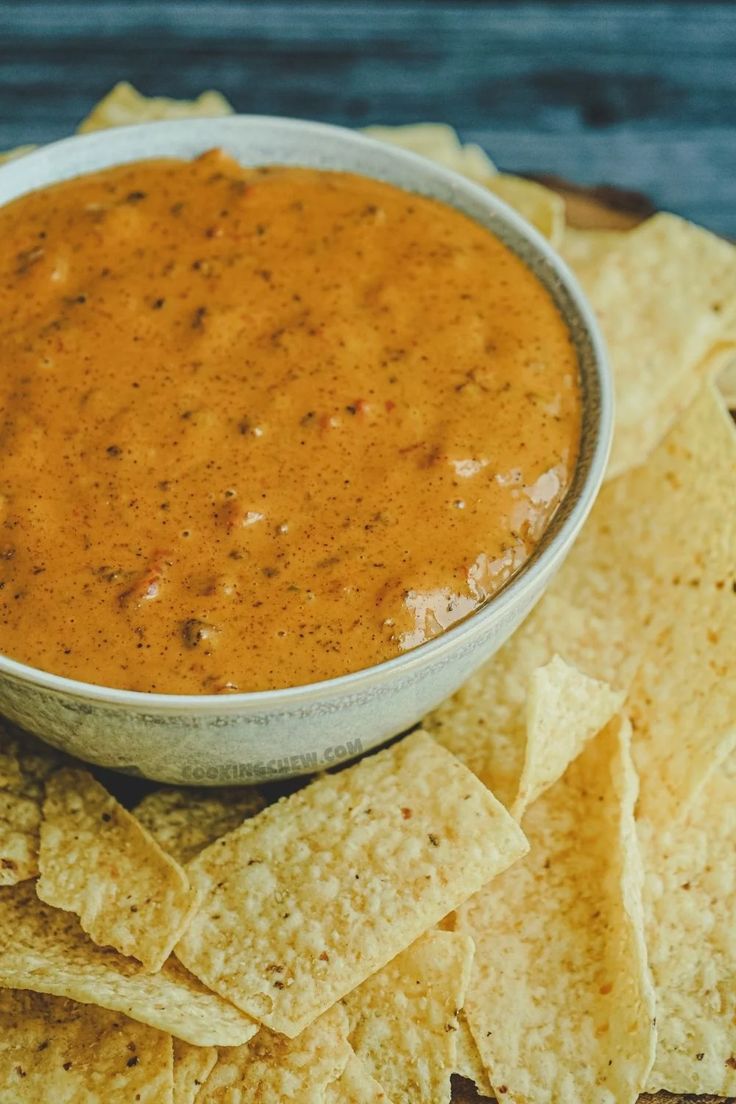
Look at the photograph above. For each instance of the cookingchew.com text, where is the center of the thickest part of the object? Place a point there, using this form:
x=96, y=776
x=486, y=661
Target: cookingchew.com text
x=273, y=768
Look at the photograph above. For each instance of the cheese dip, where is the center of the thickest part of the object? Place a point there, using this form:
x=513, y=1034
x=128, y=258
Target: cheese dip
x=262, y=427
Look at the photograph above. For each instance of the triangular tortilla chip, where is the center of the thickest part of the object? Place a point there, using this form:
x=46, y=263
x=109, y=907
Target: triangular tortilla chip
x=45, y=949
x=56, y=1050
x=403, y=1019
x=185, y=821
x=560, y=1003
x=24, y=764
x=124, y=105
x=98, y=861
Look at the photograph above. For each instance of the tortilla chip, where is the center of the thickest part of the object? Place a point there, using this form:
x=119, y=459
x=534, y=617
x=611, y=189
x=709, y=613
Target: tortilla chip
x=273, y=1068
x=45, y=949
x=469, y=1063
x=192, y=1067
x=485, y=723
x=690, y=899
x=540, y=206
x=24, y=764
x=726, y=379
x=403, y=1019
x=56, y=1050
x=560, y=1003
x=564, y=710
x=124, y=105
x=658, y=549
x=438, y=142
x=660, y=296
x=355, y=1086
x=585, y=249
x=14, y=154
x=97, y=861
x=185, y=821
x=305, y=901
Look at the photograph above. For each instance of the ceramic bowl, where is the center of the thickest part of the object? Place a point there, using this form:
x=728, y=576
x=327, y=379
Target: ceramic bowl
x=251, y=737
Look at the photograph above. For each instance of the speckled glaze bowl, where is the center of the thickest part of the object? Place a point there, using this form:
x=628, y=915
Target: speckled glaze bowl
x=245, y=738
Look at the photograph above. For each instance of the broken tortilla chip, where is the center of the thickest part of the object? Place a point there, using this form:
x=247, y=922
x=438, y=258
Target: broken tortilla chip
x=689, y=897
x=273, y=1068
x=97, y=861
x=56, y=1050
x=305, y=901
x=185, y=821
x=124, y=106
x=560, y=1003
x=403, y=1019
x=660, y=297
x=45, y=949
x=192, y=1067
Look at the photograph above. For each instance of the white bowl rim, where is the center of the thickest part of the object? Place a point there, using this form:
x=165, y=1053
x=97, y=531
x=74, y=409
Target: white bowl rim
x=497, y=605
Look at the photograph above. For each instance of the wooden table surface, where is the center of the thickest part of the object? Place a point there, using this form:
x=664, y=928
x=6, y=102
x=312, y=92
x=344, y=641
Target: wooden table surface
x=640, y=95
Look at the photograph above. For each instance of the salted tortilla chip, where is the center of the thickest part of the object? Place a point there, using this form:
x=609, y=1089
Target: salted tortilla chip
x=564, y=709
x=403, y=1019
x=438, y=142
x=355, y=1086
x=305, y=901
x=661, y=297
x=56, y=1050
x=485, y=724
x=97, y=861
x=185, y=821
x=24, y=764
x=274, y=1068
x=560, y=1003
x=690, y=899
x=658, y=549
x=124, y=105
x=540, y=206
x=14, y=154
x=45, y=949
x=192, y=1067
x=469, y=1063
x=584, y=249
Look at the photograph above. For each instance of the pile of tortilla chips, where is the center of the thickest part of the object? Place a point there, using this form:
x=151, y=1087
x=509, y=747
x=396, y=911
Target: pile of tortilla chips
x=536, y=893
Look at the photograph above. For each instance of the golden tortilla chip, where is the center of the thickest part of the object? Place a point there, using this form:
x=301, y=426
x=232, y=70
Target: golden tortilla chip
x=585, y=249
x=726, y=379
x=438, y=142
x=355, y=1086
x=485, y=724
x=185, y=821
x=469, y=1062
x=540, y=206
x=560, y=1003
x=45, y=949
x=56, y=1050
x=661, y=296
x=564, y=710
x=273, y=1068
x=124, y=106
x=690, y=904
x=97, y=861
x=192, y=1067
x=305, y=901
x=403, y=1019
x=14, y=154
x=24, y=764
x=658, y=549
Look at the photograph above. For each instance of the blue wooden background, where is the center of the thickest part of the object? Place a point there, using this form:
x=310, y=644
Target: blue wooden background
x=638, y=95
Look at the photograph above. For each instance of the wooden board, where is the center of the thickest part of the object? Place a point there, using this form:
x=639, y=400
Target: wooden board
x=614, y=209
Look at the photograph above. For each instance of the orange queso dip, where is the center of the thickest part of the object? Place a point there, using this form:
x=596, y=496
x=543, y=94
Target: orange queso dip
x=261, y=427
